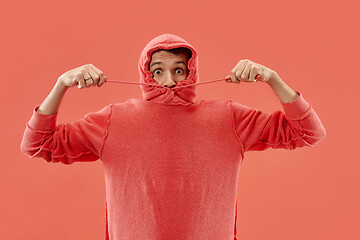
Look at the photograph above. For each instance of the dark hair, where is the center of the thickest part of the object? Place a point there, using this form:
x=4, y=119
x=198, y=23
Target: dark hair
x=181, y=50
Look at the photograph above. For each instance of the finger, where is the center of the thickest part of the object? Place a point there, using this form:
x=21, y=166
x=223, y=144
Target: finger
x=89, y=82
x=75, y=82
x=79, y=78
x=95, y=77
x=245, y=74
x=233, y=78
x=236, y=76
x=234, y=70
x=100, y=73
x=228, y=80
x=241, y=70
x=253, y=72
x=88, y=79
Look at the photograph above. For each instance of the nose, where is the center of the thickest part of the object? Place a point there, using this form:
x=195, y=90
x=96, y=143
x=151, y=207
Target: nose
x=169, y=82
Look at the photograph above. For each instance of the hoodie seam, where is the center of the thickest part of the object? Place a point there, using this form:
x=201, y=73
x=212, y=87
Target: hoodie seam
x=234, y=130
x=106, y=132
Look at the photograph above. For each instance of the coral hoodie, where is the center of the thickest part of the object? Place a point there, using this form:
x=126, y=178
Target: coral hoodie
x=170, y=163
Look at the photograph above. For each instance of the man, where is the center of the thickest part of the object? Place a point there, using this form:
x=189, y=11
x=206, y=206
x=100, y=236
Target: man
x=171, y=163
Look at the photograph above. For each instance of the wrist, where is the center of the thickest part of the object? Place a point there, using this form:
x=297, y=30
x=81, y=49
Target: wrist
x=59, y=85
x=274, y=79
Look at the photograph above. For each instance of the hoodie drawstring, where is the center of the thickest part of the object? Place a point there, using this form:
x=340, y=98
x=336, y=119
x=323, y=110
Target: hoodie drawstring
x=158, y=85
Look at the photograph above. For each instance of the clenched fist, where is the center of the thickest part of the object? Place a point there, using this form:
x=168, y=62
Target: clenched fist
x=248, y=71
x=77, y=76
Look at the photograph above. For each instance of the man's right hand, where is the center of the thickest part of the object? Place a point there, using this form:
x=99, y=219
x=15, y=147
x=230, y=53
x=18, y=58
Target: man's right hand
x=71, y=78
x=77, y=76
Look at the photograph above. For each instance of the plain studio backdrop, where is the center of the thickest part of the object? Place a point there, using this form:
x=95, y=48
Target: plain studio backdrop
x=308, y=193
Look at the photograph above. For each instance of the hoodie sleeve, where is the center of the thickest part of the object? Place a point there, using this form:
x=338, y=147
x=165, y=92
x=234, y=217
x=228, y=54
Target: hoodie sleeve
x=80, y=141
x=297, y=126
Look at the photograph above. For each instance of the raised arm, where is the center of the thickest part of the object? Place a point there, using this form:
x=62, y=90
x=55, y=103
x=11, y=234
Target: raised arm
x=81, y=140
x=83, y=77
x=297, y=126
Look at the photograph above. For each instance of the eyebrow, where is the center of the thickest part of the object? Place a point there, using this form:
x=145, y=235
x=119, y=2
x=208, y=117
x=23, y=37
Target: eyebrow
x=162, y=63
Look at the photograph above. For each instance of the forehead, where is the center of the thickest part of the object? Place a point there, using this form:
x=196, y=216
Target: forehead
x=165, y=55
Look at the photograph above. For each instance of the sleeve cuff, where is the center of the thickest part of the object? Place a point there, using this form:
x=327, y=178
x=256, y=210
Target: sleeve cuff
x=43, y=122
x=296, y=109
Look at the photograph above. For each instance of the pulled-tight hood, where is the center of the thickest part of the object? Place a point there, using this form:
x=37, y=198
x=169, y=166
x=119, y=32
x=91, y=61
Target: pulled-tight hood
x=167, y=95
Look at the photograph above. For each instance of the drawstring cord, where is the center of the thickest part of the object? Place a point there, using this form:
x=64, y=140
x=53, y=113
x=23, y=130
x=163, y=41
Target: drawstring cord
x=158, y=85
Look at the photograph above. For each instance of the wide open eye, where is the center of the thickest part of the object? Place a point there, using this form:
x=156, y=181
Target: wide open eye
x=157, y=71
x=181, y=71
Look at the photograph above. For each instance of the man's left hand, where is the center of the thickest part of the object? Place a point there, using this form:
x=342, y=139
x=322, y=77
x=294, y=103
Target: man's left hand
x=247, y=71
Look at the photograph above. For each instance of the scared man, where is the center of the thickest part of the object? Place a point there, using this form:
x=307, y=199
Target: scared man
x=170, y=163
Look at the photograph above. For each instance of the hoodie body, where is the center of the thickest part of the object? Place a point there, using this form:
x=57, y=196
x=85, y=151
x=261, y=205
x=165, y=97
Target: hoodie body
x=170, y=163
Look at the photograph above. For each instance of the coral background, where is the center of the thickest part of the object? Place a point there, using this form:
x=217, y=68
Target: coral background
x=309, y=193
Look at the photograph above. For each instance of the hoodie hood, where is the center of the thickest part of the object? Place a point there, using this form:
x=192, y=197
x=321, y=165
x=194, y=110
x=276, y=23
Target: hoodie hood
x=167, y=95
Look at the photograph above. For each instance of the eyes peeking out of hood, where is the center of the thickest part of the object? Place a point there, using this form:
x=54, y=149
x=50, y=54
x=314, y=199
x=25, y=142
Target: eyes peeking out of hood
x=166, y=95
x=176, y=51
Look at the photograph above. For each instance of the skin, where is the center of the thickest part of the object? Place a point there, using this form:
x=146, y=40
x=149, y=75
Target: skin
x=168, y=73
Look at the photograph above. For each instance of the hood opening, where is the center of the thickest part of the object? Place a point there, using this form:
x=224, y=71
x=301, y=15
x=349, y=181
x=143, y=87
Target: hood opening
x=168, y=95
x=177, y=50
x=189, y=64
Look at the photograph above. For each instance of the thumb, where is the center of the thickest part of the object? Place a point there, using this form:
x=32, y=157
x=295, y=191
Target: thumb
x=228, y=80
